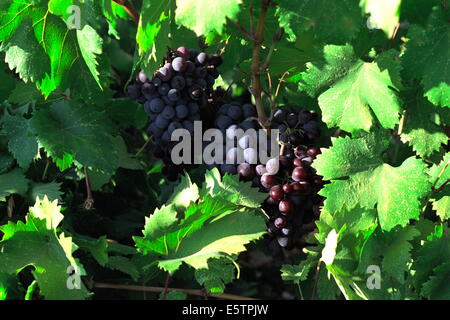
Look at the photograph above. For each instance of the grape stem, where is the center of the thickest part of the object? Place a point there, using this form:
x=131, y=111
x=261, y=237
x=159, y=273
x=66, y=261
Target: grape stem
x=159, y=290
x=256, y=58
x=89, y=202
x=130, y=9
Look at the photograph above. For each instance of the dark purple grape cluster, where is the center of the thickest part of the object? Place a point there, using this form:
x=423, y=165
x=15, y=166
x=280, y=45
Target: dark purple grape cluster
x=230, y=118
x=175, y=97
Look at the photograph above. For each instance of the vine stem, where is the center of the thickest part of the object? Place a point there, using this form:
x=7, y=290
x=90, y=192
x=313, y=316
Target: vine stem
x=166, y=286
x=256, y=58
x=130, y=9
x=191, y=292
x=316, y=280
x=89, y=202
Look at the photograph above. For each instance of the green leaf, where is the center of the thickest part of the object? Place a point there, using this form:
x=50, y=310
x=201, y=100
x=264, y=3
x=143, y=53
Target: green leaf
x=124, y=265
x=333, y=21
x=420, y=129
x=24, y=93
x=13, y=182
x=231, y=189
x=295, y=273
x=50, y=190
x=35, y=244
x=439, y=174
x=384, y=14
x=174, y=295
x=25, y=56
x=126, y=160
x=359, y=177
x=397, y=252
x=356, y=87
x=98, y=248
x=69, y=128
x=21, y=144
x=90, y=46
x=191, y=14
x=154, y=28
x=426, y=57
x=221, y=238
x=434, y=253
x=219, y=273
x=437, y=288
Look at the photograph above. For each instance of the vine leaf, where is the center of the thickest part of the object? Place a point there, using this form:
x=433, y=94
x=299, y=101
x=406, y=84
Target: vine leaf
x=13, y=182
x=191, y=14
x=154, y=27
x=441, y=200
x=352, y=86
x=359, y=177
x=437, y=288
x=426, y=57
x=36, y=243
x=41, y=48
x=219, y=273
x=333, y=21
x=196, y=226
x=71, y=128
x=21, y=144
x=420, y=130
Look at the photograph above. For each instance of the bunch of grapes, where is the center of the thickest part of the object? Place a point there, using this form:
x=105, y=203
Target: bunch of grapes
x=175, y=97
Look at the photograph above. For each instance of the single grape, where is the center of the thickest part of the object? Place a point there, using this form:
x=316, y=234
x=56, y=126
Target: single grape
x=231, y=131
x=295, y=139
x=285, y=207
x=178, y=83
x=268, y=181
x=280, y=222
x=181, y=111
x=189, y=69
x=168, y=113
x=299, y=173
x=223, y=122
x=246, y=171
x=164, y=74
x=202, y=83
x=174, y=126
x=195, y=92
x=155, y=131
x=235, y=113
x=232, y=156
x=156, y=105
x=165, y=136
x=313, y=152
x=286, y=231
x=142, y=77
x=183, y=52
x=178, y=64
x=251, y=156
x=279, y=115
x=273, y=166
x=193, y=108
x=157, y=81
x=148, y=88
x=202, y=58
x=173, y=95
x=297, y=162
x=189, y=126
x=261, y=169
x=291, y=120
x=249, y=111
x=163, y=89
x=283, y=241
x=276, y=192
x=288, y=188
x=161, y=122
